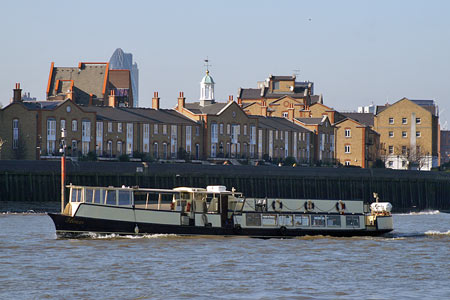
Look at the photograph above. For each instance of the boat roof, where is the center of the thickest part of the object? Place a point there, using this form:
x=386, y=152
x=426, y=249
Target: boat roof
x=209, y=190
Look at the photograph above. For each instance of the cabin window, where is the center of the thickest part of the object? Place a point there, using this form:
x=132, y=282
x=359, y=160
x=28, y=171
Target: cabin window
x=300, y=220
x=333, y=221
x=318, y=221
x=285, y=220
x=97, y=197
x=76, y=195
x=124, y=198
x=89, y=195
x=352, y=221
x=92, y=196
x=110, y=197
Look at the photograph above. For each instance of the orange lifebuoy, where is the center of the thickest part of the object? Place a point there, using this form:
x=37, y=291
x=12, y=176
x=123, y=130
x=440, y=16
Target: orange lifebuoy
x=172, y=206
x=188, y=206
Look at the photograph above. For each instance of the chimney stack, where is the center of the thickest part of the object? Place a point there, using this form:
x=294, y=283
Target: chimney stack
x=17, y=93
x=264, y=109
x=112, y=99
x=291, y=112
x=155, y=101
x=239, y=101
x=181, y=102
x=230, y=98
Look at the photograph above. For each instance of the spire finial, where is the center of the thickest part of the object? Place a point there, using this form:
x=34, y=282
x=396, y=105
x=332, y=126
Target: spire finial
x=207, y=65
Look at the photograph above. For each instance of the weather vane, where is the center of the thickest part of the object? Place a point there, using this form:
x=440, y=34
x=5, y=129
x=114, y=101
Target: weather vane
x=207, y=65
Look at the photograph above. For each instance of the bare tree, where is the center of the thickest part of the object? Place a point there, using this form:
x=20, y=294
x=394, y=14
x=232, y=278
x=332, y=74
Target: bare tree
x=2, y=141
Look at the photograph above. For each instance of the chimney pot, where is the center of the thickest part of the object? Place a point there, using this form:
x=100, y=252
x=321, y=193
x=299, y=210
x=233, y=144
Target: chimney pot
x=155, y=101
x=181, y=102
x=17, y=93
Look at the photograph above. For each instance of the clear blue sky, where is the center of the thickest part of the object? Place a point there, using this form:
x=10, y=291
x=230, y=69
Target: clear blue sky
x=356, y=52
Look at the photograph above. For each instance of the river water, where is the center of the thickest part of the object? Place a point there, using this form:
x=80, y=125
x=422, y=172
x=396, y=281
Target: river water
x=411, y=263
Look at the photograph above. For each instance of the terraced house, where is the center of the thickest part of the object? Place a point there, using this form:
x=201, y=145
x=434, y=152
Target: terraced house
x=32, y=130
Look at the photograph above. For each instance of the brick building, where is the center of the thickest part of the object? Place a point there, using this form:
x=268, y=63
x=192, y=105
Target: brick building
x=409, y=134
x=89, y=84
x=445, y=146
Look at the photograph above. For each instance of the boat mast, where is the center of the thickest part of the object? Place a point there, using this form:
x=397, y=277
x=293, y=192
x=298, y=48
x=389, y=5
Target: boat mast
x=63, y=166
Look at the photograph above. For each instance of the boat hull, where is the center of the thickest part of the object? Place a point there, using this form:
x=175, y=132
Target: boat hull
x=67, y=226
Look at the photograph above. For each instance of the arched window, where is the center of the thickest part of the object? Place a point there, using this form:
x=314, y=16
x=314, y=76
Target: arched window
x=74, y=125
x=155, y=150
x=15, y=133
x=119, y=148
x=164, y=150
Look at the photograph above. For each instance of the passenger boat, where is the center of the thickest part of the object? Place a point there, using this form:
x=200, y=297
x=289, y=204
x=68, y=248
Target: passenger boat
x=213, y=211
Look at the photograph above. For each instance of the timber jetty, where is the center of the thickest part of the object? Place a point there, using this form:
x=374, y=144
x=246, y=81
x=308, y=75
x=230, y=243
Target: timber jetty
x=39, y=181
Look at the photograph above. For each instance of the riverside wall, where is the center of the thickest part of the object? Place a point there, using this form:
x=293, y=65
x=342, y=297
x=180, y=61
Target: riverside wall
x=407, y=190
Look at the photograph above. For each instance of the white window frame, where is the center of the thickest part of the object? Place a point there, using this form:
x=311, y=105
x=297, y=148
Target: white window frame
x=347, y=149
x=188, y=139
x=146, y=137
x=15, y=144
x=348, y=133
x=99, y=138
x=74, y=125
x=129, y=147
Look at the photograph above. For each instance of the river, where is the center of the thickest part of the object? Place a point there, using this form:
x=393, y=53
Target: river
x=411, y=263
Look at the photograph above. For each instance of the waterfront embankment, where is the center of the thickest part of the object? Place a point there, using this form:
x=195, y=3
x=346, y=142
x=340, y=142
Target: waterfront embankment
x=39, y=181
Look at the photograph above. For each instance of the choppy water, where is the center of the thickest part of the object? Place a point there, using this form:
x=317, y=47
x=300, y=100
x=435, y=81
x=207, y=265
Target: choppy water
x=412, y=263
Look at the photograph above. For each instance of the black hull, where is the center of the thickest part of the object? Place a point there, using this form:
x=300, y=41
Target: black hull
x=78, y=226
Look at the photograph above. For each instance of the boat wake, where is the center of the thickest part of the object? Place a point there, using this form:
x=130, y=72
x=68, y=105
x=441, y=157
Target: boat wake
x=419, y=213
x=23, y=213
x=437, y=233
x=406, y=235
x=112, y=236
